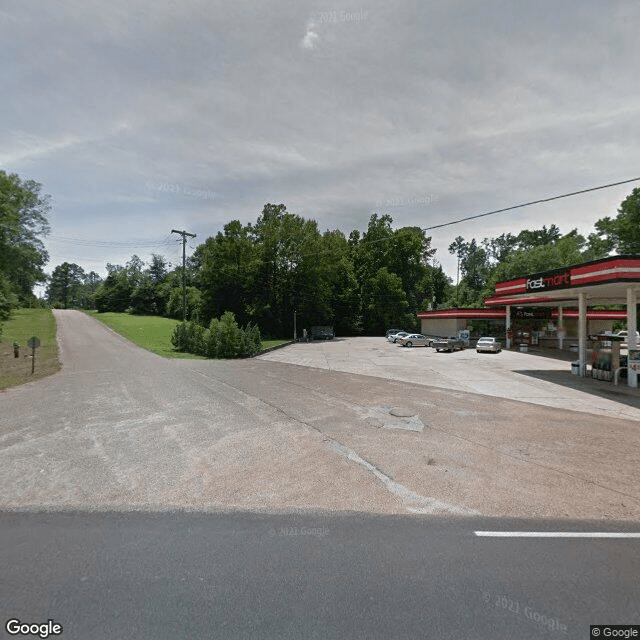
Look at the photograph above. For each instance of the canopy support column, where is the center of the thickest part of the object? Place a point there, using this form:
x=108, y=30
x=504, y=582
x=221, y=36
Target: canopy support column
x=632, y=376
x=582, y=332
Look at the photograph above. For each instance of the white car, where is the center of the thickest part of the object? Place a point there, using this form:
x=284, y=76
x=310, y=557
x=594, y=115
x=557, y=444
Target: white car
x=489, y=344
x=395, y=336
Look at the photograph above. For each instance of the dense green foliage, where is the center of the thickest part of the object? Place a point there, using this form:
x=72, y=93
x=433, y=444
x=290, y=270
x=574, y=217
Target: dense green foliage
x=23, y=222
x=70, y=286
x=264, y=272
x=222, y=339
x=282, y=266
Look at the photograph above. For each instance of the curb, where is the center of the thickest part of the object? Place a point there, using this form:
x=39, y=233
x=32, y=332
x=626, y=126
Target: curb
x=278, y=346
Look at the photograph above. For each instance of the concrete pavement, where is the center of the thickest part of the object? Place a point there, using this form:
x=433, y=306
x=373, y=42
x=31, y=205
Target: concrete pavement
x=528, y=377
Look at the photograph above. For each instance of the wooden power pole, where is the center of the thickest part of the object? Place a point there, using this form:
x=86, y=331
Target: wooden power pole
x=184, y=235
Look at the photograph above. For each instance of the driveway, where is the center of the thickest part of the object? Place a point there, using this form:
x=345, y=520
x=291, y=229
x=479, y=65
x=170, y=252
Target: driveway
x=529, y=377
x=122, y=428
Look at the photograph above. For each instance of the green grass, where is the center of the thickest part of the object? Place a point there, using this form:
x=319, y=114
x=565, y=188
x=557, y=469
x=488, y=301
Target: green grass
x=22, y=325
x=154, y=332
x=149, y=332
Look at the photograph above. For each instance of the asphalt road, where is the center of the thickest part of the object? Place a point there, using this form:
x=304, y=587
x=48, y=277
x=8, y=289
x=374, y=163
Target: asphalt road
x=150, y=498
x=203, y=576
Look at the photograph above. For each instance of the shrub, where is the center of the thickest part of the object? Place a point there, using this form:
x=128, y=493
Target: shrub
x=229, y=336
x=179, y=337
x=198, y=339
x=213, y=341
x=223, y=339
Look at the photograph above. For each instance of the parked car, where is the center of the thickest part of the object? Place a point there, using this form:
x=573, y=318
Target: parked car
x=322, y=333
x=448, y=344
x=624, y=336
x=415, y=340
x=390, y=331
x=394, y=336
x=489, y=344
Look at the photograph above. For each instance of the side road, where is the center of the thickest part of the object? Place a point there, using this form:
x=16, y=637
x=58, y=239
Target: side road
x=121, y=428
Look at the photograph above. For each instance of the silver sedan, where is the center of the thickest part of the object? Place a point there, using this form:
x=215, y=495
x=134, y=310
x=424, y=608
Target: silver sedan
x=488, y=344
x=415, y=340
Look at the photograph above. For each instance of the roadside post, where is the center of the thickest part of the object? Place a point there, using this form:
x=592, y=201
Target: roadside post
x=633, y=361
x=34, y=343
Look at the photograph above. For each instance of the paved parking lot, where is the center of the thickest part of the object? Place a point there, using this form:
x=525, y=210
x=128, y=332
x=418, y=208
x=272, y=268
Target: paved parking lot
x=535, y=377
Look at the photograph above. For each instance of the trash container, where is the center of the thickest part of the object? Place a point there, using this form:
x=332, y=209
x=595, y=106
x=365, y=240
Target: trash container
x=524, y=347
x=575, y=368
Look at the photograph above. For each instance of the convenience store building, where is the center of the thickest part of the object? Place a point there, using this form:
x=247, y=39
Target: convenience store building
x=553, y=307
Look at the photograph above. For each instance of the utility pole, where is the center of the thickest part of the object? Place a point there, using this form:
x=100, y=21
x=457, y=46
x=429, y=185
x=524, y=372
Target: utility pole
x=295, y=336
x=184, y=235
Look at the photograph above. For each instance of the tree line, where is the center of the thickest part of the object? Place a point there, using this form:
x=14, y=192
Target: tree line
x=267, y=271
x=282, y=264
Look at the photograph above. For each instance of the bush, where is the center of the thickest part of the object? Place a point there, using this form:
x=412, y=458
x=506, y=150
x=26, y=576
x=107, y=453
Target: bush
x=179, y=337
x=213, y=339
x=229, y=336
x=223, y=339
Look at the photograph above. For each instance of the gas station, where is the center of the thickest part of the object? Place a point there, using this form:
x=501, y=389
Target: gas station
x=609, y=281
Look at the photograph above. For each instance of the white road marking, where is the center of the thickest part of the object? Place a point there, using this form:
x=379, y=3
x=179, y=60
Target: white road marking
x=556, y=534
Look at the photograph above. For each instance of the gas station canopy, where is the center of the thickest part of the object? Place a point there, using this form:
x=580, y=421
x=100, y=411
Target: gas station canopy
x=609, y=281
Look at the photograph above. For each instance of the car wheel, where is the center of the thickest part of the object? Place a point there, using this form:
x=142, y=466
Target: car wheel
x=409, y=344
x=477, y=350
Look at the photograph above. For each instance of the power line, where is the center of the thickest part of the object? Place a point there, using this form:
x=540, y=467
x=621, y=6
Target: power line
x=527, y=204
x=106, y=243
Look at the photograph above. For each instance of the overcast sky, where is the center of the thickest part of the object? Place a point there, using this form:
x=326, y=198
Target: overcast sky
x=143, y=116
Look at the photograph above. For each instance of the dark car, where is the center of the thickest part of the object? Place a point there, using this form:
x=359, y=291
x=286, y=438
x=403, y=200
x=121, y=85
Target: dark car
x=322, y=333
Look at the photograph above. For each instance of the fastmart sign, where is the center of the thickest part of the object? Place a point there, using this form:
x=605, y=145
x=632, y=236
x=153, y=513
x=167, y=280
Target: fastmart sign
x=556, y=279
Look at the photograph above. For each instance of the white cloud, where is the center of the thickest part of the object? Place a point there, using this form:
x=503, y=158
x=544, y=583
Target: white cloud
x=310, y=40
x=311, y=37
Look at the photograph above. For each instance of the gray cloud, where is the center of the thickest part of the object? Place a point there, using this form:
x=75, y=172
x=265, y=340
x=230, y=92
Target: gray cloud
x=334, y=110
